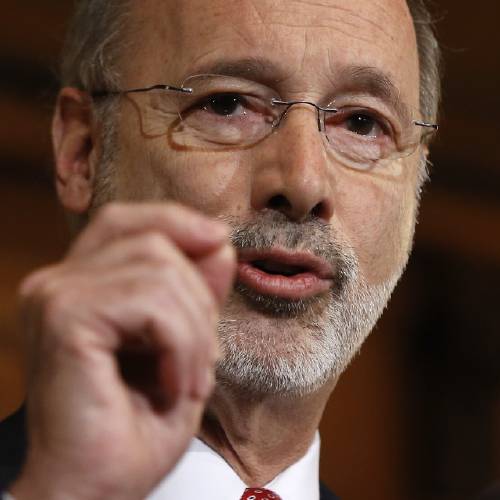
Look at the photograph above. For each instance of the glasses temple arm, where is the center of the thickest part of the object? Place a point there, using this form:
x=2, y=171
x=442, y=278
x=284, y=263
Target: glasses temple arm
x=434, y=126
x=106, y=93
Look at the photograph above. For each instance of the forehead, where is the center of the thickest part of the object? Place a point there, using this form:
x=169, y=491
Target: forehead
x=308, y=40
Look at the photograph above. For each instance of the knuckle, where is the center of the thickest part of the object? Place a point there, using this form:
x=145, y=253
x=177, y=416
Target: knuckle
x=154, y=246
x=174, y=330
x=69, y=344
x=57, y=335
x=36, y=286
x=54, y=296
x=28, y=286
x=175, y=276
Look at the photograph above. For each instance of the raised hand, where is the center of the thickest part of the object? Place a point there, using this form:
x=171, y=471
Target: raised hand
x=122, y=339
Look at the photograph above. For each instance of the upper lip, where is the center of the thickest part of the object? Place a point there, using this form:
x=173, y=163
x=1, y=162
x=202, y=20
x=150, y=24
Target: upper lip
x=304, y=259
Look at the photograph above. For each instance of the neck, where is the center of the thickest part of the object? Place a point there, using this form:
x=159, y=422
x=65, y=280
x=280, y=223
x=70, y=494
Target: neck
x=260, y=437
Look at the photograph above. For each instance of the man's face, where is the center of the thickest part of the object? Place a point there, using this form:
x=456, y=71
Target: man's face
x=285, y=193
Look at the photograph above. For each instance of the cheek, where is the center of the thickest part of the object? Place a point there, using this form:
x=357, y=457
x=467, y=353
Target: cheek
x=149, y=168
x=377, y=218
x=212, y=183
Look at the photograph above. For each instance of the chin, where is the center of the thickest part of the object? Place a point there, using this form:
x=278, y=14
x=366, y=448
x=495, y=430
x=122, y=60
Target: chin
x=300, y=310
x=272, y=346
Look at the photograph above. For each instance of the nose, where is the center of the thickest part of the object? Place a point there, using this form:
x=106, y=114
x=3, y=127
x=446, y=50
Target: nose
x=292, y=173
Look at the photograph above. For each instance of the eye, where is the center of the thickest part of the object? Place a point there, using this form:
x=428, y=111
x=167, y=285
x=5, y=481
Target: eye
x=363, y=124
x=223, y=104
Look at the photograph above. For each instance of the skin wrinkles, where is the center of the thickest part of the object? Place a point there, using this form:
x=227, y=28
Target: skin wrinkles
x=258, y=13
x=356, y=78
x=385, y=199
x=338, y=28
x=384, y=195
x=346, y=82
x=327, y=19
x=233, y=404
x=335, y=63
x=373, y=81
x=259, y=69
x=347, y=11
x=248, y=40
x=370, y=211
x=287, y=24
x=377, y=84
x=184, y=184
x=304, y=54
x=360, y=78
x=159, y=272
x=212, y=54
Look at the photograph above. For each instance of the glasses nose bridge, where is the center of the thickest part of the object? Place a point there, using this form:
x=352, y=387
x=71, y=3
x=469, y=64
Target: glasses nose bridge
x=289, y=104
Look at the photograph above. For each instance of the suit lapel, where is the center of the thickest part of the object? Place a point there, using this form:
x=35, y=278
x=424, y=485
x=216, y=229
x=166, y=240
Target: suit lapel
x=325, y=493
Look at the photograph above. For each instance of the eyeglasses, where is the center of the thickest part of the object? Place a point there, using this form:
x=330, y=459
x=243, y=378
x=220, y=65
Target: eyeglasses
x=218, y=112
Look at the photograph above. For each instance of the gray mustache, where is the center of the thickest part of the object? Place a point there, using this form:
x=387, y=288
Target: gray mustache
x=270, y=229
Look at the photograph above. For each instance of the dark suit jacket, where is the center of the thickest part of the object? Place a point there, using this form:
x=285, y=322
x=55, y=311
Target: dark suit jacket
x=13, y=444
x=12, y=447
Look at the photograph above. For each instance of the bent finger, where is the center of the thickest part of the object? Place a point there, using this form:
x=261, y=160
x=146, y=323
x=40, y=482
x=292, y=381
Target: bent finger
x=195, y=234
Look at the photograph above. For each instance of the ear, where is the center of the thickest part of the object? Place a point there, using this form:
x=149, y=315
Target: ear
x=74, y=143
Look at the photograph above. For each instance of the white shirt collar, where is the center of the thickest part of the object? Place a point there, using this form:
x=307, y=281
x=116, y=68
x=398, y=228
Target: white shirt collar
x=204, y=474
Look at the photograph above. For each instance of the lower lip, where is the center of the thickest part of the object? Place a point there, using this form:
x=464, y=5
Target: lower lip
x=299, y=286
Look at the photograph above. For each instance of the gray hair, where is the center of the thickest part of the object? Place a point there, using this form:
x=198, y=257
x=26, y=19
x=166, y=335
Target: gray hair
x=429, y=57
x=93, y=45
x=95, y=41
x=90, y=61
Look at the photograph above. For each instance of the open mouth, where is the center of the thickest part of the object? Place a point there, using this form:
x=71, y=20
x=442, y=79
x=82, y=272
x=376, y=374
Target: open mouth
x=278, y=268
x=282, y=273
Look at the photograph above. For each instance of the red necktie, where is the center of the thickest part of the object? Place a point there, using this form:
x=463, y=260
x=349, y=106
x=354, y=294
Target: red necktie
x=259, y=494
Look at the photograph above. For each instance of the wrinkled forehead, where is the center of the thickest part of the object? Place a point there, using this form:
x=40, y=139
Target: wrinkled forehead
x=308, y=41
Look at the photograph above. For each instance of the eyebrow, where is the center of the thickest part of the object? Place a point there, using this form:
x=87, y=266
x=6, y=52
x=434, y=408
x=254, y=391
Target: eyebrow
x=376, y=83
x=259, y=69
x=359, y=79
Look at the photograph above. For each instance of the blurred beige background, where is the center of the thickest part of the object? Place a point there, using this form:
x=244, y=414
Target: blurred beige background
x=417, y=415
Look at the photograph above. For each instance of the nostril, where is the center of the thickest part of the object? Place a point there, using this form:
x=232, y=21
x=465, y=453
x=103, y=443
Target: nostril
x=318, y=210
x=279, y=202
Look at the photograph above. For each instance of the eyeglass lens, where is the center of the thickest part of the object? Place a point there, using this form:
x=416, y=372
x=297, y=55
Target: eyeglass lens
x=224, y=112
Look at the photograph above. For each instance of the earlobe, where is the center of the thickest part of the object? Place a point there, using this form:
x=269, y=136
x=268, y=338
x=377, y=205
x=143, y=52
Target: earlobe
x=74, y=146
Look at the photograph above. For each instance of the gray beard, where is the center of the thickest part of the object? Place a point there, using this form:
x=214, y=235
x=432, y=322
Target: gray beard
x=301, y=345
x=292, y=348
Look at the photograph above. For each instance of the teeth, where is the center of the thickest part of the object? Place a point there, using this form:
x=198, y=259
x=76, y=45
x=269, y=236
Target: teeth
x=273, y=267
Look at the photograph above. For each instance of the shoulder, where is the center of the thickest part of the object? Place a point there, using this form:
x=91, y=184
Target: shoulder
x=325, y=493
x=13, y=447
